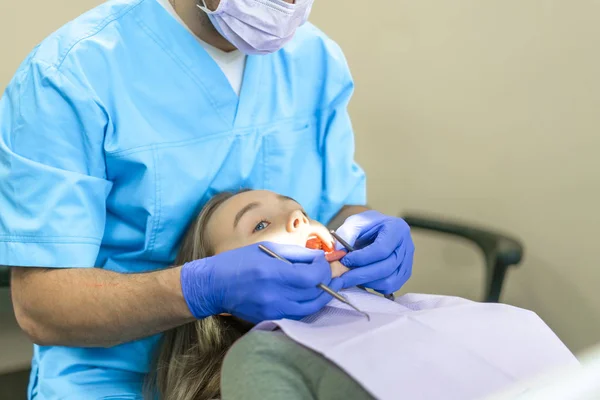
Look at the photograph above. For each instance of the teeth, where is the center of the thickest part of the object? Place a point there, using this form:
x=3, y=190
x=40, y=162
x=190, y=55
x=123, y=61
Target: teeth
x=314, y=242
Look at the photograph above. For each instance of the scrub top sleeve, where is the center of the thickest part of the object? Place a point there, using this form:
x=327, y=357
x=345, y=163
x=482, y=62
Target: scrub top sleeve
x=345, y=181
x=53, y=185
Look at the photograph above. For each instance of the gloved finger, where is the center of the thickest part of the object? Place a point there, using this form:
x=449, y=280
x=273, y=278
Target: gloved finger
x=349, y=233
x=304, y=294
x=397, y=279
x=301, y=294
x=355, y=225
x=307, y=275
x=374, y=271
x=390, y=284
x=294, y=253
x=302, y=309
x=352, y=228
x=388, y=239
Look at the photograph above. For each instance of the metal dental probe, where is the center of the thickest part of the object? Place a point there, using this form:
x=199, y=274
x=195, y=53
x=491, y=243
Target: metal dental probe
x=349, y=249
x=321, y=286
x=342, y=241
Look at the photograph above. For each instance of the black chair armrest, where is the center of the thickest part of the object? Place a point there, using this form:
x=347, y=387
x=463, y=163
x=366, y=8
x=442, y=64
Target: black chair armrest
x=4, y=276
x=500, y=250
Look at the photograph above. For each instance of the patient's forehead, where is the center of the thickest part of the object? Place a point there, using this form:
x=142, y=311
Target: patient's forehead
x=226, y=212
x=220, y=224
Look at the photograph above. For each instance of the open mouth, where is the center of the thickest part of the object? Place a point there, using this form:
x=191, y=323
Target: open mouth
x=315, y=242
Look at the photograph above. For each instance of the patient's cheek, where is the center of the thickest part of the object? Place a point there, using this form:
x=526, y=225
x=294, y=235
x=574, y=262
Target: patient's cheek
x=337, y=269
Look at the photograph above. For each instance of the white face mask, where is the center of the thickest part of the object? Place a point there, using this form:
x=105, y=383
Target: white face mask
x=258, y=26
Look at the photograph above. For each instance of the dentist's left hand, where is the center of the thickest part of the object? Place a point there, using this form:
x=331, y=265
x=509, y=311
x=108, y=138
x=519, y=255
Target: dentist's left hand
x=385, y=249
x=253, y=286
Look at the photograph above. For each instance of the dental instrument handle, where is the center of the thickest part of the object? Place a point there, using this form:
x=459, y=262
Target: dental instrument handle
x=342, y=241
x=321, y=286
x=272, y=253
x=342, y=299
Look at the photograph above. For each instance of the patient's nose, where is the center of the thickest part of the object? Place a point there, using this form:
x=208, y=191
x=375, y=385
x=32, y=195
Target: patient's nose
x=296, y=221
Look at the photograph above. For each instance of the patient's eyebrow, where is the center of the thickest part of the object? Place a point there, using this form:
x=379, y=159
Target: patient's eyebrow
x=243, y=211
x=282, y=197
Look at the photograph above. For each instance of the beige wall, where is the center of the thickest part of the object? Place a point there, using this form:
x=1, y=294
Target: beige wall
x=486, y=111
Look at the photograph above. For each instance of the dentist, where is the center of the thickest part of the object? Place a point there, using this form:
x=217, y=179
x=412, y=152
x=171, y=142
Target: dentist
x=119, y=126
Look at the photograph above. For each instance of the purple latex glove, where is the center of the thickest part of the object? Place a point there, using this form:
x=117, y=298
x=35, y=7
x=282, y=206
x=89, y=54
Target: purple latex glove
x=254, y=286
x=384, y=251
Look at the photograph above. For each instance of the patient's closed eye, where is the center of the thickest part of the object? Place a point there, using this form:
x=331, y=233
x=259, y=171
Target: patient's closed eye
x=261, y=225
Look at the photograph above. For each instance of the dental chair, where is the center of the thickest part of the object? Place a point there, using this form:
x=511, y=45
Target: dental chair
x=4, y=276
x=500, y=251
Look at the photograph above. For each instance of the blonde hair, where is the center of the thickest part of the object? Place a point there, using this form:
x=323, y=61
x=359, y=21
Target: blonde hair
x=189, y=360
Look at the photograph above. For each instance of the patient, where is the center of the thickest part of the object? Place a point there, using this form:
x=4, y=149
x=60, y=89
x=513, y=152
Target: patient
x=437, y=344
x=190, y=356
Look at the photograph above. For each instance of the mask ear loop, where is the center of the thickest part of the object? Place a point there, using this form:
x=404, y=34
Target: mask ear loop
x=203, y=7
x=207, y=10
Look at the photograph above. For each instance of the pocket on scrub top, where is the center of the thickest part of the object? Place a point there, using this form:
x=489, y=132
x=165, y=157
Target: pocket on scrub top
x=293, y=162
x=189, y=173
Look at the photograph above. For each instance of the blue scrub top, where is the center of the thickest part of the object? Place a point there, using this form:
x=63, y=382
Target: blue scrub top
x=119, y=127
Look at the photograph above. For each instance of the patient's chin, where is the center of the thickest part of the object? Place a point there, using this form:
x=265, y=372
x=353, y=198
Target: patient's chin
x=337, y=269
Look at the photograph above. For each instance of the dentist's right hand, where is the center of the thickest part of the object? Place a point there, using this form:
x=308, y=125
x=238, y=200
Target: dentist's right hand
x=253, y=286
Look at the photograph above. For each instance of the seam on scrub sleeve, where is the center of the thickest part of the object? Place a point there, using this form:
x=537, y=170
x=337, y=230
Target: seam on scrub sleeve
x=345, y=202
x=50, y=239
x=157, y=204
x=101, y=25
x=16, y=124
x=48, y=254
x=19, y=94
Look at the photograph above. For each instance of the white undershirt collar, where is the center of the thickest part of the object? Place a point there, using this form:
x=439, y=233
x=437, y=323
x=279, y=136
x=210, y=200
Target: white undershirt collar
x=231, y=63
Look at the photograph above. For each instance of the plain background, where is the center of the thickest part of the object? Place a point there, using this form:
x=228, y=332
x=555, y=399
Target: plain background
x=483, y=111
